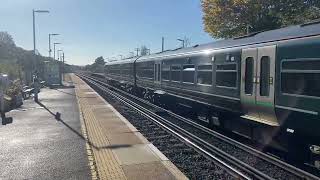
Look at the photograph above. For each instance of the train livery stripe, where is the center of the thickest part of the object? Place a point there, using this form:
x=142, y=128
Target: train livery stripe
x=298, y=110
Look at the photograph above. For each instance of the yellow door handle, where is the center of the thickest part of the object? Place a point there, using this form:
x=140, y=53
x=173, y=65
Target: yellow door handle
x=271, y=80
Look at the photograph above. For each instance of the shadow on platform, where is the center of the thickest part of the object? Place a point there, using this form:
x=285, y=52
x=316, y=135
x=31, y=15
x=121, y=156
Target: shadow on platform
x=57, y=116
x=59, y=86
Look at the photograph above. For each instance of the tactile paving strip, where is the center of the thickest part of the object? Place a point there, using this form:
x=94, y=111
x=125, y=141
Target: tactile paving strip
x=106, y=164
x=113, y=140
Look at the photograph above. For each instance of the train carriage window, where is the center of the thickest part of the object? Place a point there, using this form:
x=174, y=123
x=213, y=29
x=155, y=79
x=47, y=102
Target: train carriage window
x=145, y=70
x=188, y=73
x=115, y=69
x=165, y=72
x=264, y=76
x=175, y=73
x=125, y=69
x=226, y=75
x=226, y=67
x=248, y=82
x=301, y=65
x=301, y=77
x=204, y=75
x=148, y=72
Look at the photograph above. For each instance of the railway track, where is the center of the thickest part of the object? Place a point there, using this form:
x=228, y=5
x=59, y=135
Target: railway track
x=239, y=160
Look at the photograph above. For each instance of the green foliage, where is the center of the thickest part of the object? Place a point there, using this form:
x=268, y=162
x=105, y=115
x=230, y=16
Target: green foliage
x=99, y=61
x=97, y=66
x=14, y=89
x=17, y=62
x=230, y=18
x=11, y=69
x=6, y=39
x=144, y=50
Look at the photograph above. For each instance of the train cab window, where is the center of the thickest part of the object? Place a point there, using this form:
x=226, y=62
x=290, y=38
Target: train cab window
x=204, y=75
x=248, y=82
x=188, y=73
x=175, y=73
x=301, y=77
x=165, y=72
x=264, y=76
x=226, y=75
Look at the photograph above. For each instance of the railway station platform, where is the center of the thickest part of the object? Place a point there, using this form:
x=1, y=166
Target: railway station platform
x=119, y=150
x=38, y=146
x=87, y=139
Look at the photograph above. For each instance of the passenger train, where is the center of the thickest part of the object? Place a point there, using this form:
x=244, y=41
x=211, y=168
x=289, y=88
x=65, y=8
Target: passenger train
x=265, y=85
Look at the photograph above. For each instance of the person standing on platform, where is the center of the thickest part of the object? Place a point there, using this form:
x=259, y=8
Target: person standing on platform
x=36, y=84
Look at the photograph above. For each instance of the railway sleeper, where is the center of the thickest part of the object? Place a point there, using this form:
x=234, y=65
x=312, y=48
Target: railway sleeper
x=278, y=141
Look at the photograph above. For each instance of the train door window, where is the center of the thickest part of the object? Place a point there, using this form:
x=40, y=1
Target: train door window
x=155, y=72
x=264, y=76
x=175, y=73
x=301, y=77
x=204, y=76
x=226, y=75
x=188, y=73
x=165, y=72
x=159, y=73
x=248, y=82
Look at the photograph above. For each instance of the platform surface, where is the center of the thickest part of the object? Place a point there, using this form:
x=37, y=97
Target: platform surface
x=37, y=146
x=91, y=140
x=117, y=149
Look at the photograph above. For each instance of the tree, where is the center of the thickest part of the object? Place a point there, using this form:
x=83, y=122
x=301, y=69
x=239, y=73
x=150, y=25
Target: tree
x=187, y=41
x=6, y=39
x=230, y=18
x=99, y=61
x=144, y=50
x=97, y=66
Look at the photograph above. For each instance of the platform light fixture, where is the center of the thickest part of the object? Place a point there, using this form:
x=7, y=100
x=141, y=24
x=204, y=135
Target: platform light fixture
x=50, y=50
x=54, y=50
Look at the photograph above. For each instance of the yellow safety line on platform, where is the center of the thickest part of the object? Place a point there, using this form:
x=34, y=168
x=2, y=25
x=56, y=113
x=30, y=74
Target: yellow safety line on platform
x=91, y=159
x=103, y=163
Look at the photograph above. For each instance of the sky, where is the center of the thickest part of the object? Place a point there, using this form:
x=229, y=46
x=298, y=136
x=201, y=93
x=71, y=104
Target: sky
x=108, y=28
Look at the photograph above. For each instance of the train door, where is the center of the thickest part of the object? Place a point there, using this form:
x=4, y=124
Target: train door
x=157, y=73
x=257, y=84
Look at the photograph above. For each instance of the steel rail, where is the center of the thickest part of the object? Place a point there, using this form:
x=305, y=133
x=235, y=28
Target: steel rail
x=277, y=162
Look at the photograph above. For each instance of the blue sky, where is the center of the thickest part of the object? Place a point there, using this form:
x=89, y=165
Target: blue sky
x=92, y=28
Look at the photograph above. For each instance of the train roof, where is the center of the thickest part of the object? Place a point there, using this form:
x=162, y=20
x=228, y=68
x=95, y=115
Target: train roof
x=291, y=32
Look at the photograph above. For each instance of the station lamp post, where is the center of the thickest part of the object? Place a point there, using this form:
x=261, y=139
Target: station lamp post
x=34, y=26
x=60, y=65
x=34, y=36
x=59, y=57
x=50, y=43
x=34, y=51
x=54, y=50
